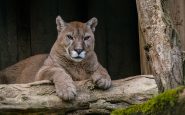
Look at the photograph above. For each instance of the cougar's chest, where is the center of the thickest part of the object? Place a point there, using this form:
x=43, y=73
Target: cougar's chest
x=78, y=72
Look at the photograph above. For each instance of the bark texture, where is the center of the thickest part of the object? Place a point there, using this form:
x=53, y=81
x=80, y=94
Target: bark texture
x=162, y=43
x=40, y=97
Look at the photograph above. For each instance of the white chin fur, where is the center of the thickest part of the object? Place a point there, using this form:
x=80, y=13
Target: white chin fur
x=77, y=60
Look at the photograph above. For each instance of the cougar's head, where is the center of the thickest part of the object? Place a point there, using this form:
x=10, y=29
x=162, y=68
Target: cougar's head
x=76, y=38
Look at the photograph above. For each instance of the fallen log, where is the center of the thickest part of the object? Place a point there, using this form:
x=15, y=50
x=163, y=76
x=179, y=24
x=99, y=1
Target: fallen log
x=40, y=97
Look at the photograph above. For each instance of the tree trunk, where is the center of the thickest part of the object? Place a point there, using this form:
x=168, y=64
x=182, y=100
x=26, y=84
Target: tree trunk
x=40, y=97
x=162, y=43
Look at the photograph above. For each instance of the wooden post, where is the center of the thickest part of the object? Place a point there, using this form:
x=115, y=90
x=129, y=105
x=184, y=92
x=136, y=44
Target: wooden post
x=162, y=43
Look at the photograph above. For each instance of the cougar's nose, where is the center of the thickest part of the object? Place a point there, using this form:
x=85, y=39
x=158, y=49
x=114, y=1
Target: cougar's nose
x=78, y=50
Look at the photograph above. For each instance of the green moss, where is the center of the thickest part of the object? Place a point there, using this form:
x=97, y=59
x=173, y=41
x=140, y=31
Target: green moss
x=159, y=105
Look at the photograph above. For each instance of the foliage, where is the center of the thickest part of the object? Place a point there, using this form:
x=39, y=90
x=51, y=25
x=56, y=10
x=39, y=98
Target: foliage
x=162, y=104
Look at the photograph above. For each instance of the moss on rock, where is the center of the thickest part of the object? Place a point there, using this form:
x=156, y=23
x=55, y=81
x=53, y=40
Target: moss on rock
x=162, y=104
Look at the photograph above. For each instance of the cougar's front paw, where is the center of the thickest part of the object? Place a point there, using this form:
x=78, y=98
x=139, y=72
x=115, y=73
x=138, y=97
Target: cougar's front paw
x=66, y=92
x=102, y=82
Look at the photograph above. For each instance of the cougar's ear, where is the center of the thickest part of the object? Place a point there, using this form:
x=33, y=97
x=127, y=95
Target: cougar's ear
x=92, y=23
x=60, y=24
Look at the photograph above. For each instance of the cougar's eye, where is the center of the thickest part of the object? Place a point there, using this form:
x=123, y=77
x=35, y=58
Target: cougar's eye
x=86, y=38
x=70, y=37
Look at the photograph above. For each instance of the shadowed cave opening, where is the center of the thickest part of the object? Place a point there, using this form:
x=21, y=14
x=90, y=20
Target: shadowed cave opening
x=28, y=28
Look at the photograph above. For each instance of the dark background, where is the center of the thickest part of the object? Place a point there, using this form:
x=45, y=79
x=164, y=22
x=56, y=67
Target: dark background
x=27, y=27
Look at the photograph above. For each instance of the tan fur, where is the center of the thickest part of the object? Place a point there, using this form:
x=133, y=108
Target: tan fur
x=62, y=66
